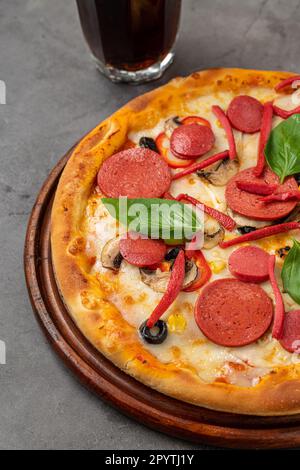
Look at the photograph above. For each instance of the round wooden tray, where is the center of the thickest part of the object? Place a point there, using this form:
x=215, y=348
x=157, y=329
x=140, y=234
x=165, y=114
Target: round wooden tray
x=151, y=408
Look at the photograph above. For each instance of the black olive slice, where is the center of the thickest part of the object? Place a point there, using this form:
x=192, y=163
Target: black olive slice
x=282, y=252
x=246, y=229
x=155, y=335
x=148, y=143
x=172, y=254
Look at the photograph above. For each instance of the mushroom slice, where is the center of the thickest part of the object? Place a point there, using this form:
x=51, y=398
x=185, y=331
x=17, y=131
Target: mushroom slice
x=158, y=280
x=293, y=216
x=155, y=278
x=111, y=257
x=191, y=273
x=213, y=233
x=170, y=125
x=220, y=173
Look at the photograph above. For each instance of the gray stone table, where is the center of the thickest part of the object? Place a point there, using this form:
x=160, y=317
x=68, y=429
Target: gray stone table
x=55, y=95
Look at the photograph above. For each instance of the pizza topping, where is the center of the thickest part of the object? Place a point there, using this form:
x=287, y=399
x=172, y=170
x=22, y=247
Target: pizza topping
x=111, y=257
x=279, y=306
x=249, y=205
x=156, y=334
x=290, y=339
x=213, y=233
x=221, y=116
x=203, y=270
x=290, y=273
x=246, y=229
x=284, y=113
x=253, y=187
x=266, y=127
x=226, y=221
x=232, y=313
x=191, y=141
x=163, y=146
x=124, y=174
x=195, y=119
x=287, y=82
x=245, y=114
x=170, y=125
x=285, y=196
x=220, y=173
x=293, y=216
x=282, y=150
x=199, y=166
x=159, y=277
x=282, y=252
x=261, y=233
x=249, y=264
x=148, y=143
x=141, y=251
x=173, y=289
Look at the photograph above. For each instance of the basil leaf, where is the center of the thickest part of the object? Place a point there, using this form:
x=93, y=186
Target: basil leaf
x=283, y=148
x=290, y=273
x=156, y=218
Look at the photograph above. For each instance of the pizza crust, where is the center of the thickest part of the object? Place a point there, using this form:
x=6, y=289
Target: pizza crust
x=277, y=393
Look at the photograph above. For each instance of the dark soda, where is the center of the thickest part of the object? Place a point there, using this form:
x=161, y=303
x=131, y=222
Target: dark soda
x=129, y=35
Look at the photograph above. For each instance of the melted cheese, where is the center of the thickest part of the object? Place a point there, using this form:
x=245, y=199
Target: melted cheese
x=135, y=300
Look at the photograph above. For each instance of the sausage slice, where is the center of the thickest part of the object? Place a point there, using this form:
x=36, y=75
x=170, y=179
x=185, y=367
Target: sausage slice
x=232, y=313
x=250, y=205
x=191, y=140
x=245, y=114
x=291, y=332
x=249, y=264
x=136, y=172
x=142, y=251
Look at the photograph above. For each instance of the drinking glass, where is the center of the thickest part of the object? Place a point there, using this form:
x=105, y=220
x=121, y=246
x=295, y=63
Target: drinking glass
x=130, y=40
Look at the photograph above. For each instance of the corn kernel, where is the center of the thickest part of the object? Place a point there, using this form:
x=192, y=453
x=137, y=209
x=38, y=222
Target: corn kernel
x=176, y=323
x=217, y=266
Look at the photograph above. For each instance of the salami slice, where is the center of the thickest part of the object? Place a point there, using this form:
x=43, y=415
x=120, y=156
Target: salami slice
x=142, y=251
x=291, y=332
x=232, y=313
x=249, y=264
x=191, y=140
x=136, y=172
x=250, y=205
x=245, y=114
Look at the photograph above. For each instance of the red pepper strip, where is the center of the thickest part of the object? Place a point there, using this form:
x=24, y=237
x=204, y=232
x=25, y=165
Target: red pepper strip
x=219, y=113
x=283, y=113
x=286, y=196
x=195, y=119
x=226, y=221
x=201, y=165
x=173, y=289
x=257, y=188
x=286, y=82
x=261, y=233
x=167, y=155
x=265, y=129
x=202, y=265
x=279, y=306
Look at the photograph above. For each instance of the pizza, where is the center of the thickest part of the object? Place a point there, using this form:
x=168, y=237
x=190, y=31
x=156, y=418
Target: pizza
x=216, y=323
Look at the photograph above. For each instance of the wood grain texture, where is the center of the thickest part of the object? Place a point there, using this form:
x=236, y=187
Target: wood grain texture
x=151, y=408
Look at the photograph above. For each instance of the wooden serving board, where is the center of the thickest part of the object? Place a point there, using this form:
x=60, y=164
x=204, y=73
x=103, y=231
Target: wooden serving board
x=151, y=408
